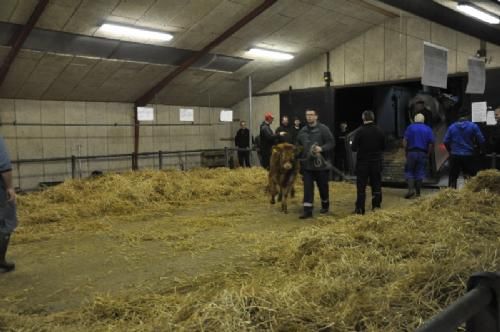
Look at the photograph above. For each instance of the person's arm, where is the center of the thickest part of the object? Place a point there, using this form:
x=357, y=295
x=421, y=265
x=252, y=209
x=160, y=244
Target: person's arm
x=236, y=138
x=479, y=135
x=431, y=143
x=447, y=140
x=328, y=140
x=7, y=179
x=355, y=142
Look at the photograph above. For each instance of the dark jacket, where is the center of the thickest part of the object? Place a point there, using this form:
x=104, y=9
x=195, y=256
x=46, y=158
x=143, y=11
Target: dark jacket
x=369, y=143
x=317, y=135
x=289, y=137
x=267, y=138
x=242, y=138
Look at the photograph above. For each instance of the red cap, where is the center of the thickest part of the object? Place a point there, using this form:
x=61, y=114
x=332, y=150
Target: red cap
x=268, y=116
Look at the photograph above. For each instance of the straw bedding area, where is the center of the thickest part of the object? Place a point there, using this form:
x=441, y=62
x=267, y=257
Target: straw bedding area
x=386, y=271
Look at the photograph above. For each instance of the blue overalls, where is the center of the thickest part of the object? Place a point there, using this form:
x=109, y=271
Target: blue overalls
x=418, y=138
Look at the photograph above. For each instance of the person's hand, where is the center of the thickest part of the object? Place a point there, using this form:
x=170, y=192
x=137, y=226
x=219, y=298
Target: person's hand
x=282, y=133
x=11, y=195
x=317, y=149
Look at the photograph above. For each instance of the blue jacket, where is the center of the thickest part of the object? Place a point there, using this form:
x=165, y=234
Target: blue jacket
x=418, y=137
x=461, y=138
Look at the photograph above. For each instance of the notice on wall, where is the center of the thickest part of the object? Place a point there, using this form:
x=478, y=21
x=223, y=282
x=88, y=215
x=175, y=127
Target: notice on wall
x=477, y=76
x=226, y=116
x=145, y=114
x=435, y=68
x=186, y=114
x=490, y=118
x=479, y=111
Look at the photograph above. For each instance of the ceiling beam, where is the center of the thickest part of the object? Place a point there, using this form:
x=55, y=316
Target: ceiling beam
x=148, y=96
x=450, y=18
x=17, y=41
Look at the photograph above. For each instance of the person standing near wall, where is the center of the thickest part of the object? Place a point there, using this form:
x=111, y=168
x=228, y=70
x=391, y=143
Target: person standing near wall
x=461, y=140
x=340, y=148
x=418, y=142
x=297, y=126
x=369, y=143
x=287, y=129
x=242, y=142
x=267, y=139
x=8, y=217
x=317, y=141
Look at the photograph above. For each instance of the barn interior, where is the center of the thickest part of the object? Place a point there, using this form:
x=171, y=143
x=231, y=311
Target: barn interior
x=134, y=214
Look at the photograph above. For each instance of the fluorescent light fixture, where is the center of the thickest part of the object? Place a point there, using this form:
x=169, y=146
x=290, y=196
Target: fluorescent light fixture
x=478, y=13
x=135, y=32
x=275, y=55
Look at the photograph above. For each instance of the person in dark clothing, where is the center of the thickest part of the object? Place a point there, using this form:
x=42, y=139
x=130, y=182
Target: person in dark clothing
x=461, y=140
x=242, y=141
x=316, y=141
x=285, y=127
x=297, y=126
x=493, y=140
x=369, y=143
x=418, y=142
x=267, y=139
x=8, y=217
x=340, y=148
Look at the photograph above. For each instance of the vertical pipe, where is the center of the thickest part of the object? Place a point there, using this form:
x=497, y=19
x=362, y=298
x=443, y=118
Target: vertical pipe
x=160, y=160
x=73, y=166
x=136, y=140
x=250, y=115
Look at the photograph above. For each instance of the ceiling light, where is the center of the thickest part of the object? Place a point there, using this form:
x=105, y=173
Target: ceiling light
x=260, y=52
x=134, y=32
x=478, y=13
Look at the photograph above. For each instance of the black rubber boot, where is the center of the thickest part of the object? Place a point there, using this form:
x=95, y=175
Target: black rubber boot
x=307, y=213
x=359, y=211
x=418, y=186
x=4, y=244
x=325, y=207
x=411, y=189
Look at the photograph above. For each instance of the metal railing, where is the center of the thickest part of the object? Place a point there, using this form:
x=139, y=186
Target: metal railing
x=479, y=308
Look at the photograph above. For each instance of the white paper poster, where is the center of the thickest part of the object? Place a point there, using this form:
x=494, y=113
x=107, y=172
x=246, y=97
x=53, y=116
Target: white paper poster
x=145, y=114
x=477, y=76
x=479, y=111
x=435, y=68
x=226, y=116
x=490, y=118
x=186, y=114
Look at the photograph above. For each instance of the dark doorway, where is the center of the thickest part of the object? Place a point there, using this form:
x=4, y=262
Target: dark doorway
x=293, y=104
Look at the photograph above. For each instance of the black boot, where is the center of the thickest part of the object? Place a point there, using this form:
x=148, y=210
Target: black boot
x=418, y=186
x=325, y=207
x=359, y=211
x=411, y=189
x=4, y=243
x=308, y=213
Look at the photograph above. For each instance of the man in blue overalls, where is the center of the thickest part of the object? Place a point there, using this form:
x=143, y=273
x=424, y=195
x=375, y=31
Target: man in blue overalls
x=418, y=142
x=461, y=140
x=8, y=219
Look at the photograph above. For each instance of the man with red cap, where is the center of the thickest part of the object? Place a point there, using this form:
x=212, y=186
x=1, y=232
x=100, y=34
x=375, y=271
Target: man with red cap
x=267, y=139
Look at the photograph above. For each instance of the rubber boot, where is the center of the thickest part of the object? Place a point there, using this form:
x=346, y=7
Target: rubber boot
x=4, y=243
x=359, y=210
x=325, y=207
x=411, y=189
x=307, y=213
x=418, y=186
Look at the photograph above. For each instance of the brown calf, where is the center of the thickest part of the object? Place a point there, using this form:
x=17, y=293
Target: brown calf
x=283, y=172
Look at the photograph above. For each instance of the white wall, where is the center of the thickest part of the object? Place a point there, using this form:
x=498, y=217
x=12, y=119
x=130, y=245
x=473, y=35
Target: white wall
x=38, y=141
x=388, y=52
